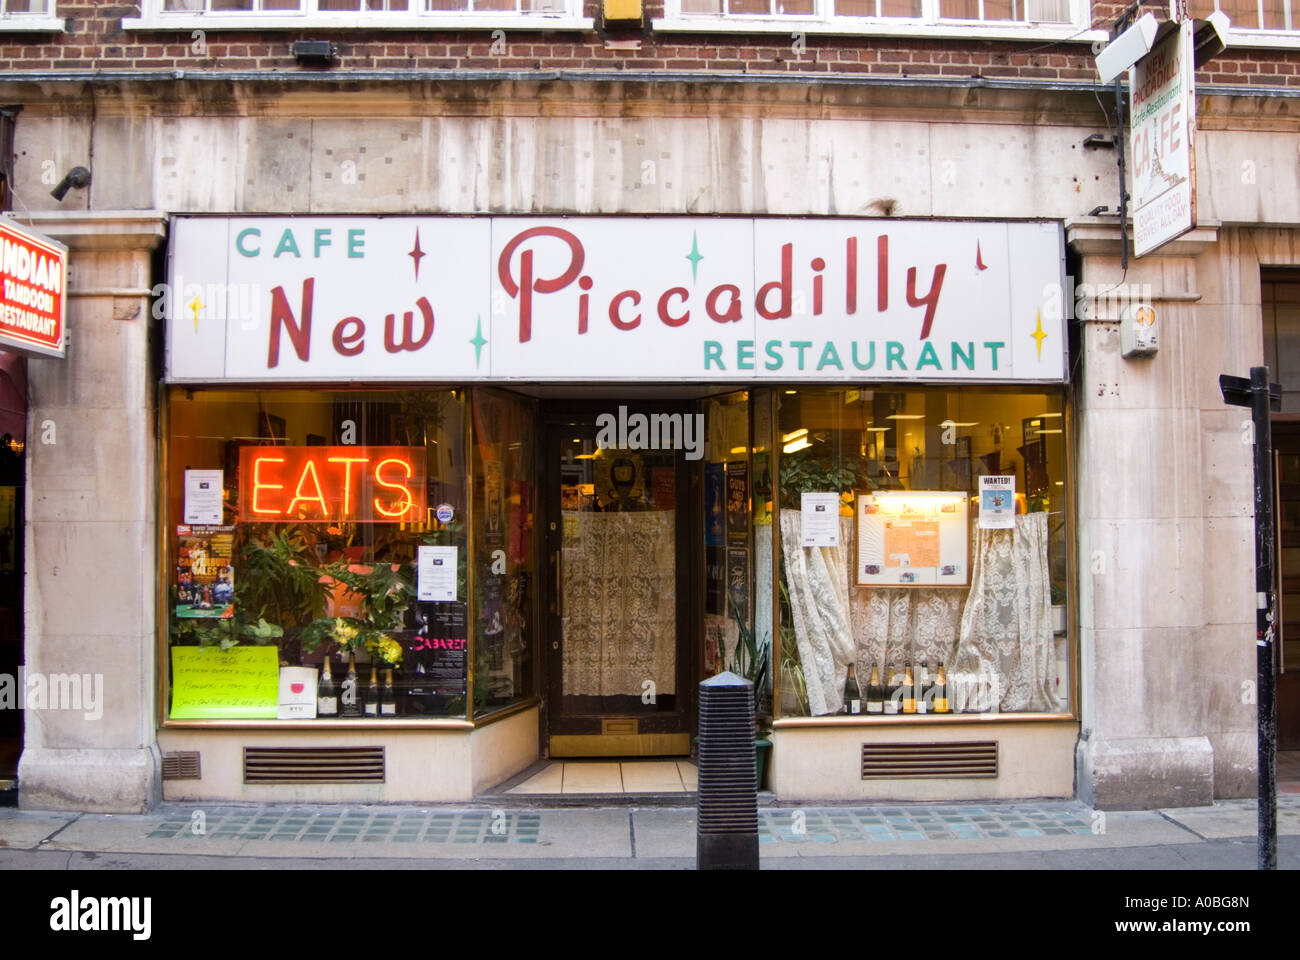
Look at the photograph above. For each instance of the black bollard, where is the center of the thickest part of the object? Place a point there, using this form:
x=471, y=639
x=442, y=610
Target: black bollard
x=726, y=833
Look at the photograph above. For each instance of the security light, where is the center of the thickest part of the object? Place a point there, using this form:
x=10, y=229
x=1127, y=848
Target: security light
x=76, y=177
x=1128, y=48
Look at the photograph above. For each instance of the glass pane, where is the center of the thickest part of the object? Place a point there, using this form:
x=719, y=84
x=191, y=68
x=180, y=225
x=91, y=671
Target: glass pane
x=1002, y=9
x=617, y=574
x=900, y=8
x=794, y=8
x=701, y=6
x=504, y=575
x=750, y=6
x=222, y=5
x=446, y=4
x=959, y=9
x=731, y=641
x=494, y=4
x=855, y=8
x=297, y=521
x=881, y=541
x=1244, y=14
x=1047, y=11
x=1275, y=17
x=25, y=6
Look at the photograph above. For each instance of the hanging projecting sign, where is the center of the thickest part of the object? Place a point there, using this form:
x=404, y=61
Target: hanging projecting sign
x=33, y=282
x=1162, y=138
x=601, y=298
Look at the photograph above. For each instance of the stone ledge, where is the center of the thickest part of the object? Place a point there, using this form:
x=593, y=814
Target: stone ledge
x=1099, y=236
x=1145, y=773
x=91, y=781
x=84, y=230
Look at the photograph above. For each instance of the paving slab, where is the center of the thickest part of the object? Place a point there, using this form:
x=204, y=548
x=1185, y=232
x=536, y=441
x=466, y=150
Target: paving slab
x=23, y=830
x=1235, y=818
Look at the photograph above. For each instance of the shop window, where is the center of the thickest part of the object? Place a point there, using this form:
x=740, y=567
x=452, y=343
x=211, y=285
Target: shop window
x=505, y=576
x=923, y=547
x=310, y=530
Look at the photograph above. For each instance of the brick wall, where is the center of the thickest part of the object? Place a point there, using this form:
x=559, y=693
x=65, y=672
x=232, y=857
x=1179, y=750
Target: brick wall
x=95, y=41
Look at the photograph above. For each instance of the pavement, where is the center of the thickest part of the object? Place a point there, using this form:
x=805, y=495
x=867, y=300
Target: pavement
x=522, y=833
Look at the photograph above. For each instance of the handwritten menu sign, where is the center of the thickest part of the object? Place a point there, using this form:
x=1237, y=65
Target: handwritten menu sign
x=242, y=683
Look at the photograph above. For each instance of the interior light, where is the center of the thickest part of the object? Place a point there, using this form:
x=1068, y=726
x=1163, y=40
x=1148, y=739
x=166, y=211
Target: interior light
x=790, y=393
x=800, y=444
x=802, y=431
x=1049, y=414
x=740, y=449
x=906, y=416
x=1048, y=431
x=879, y=429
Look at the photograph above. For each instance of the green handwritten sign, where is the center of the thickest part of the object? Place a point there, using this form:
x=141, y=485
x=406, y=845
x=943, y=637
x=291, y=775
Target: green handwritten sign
x=242, y=683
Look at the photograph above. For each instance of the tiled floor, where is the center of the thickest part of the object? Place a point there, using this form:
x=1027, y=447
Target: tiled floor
x=611, y=776
x=306, y=825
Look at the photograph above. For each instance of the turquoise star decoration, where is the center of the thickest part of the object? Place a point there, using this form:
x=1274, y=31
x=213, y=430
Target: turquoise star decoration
x=478, y=342
x=694, y=256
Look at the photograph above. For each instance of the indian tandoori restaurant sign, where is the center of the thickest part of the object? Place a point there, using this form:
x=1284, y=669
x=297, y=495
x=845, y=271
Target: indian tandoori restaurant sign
x=33, y=285
x=1162, y=137
x=604, y=298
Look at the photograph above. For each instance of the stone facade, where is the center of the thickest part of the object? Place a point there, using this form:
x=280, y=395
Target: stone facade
x=1164, y=604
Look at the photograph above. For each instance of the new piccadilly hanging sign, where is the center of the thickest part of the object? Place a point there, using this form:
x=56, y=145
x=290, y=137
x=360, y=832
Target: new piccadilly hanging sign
x=505, y=298
x=33, y=283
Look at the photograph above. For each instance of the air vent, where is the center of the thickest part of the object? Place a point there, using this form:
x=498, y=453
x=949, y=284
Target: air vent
x=313, y=765
x=929, y=761
x=181, y=765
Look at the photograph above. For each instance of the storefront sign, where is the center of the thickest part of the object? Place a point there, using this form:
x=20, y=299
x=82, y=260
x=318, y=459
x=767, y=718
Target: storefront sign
x=353, y=484
x=33, y=283
x=602, y=298
x=1162, y=134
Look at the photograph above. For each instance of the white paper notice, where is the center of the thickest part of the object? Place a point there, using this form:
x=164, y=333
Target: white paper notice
x=297, y=693
x=436, y=574
x=203, y=497
x=821, y=520
x=998, y=502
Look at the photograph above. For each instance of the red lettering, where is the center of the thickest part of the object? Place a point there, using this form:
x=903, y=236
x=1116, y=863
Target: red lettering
x=349, y=344
x=526, y=287
x=930, y=300
x=783, y=286
x=392, y=345
x=617, y=302
x=669, y=320
x=711, y=303
x=282, y=315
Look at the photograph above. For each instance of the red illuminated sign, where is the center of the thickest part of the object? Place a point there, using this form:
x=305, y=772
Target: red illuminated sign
x=339, y=484
x=33, y=271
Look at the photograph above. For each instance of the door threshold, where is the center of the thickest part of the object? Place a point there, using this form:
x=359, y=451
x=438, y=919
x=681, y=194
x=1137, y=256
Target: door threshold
x=613, y=779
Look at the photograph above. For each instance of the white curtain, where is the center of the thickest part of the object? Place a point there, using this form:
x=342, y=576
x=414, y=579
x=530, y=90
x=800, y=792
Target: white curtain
x=818, y=581
x=893, y=625
x=1005, y=657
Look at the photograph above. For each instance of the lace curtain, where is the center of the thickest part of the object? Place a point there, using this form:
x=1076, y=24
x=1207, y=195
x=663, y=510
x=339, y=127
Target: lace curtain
x=1006, y=656
x=620, y=606
x=995, y=640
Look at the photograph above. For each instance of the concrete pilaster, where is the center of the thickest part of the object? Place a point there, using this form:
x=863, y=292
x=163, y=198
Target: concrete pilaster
x=91, y=578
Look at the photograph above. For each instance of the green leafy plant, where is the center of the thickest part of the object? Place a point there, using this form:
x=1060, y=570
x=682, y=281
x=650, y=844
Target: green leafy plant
x=278, y=580
x=805, y=472
x=751, y=660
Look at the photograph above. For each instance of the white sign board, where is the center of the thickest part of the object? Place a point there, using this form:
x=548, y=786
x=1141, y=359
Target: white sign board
x=913, y=538
x=608, y=298
x=1162, y=141
x=998, y=502
x=435, y=572
x=820, y=520
x=203, y=505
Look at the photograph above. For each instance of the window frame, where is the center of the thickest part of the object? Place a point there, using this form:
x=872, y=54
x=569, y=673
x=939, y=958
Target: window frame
x=154, y=17
x=1259, y=37
x=26, y=22
x=823, y=20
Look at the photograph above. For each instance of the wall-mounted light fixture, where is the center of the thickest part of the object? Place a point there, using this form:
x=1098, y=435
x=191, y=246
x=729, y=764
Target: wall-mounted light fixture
x=314, y=53
x=78, y=177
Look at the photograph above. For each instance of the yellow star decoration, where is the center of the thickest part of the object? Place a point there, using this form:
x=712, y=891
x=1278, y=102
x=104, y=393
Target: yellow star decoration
x=196, y=307
x=1038, y=335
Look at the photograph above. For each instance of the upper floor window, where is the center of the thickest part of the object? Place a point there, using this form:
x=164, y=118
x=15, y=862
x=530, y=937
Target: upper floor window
x=1252, y=14
x=381, y=10
x=1005, y=12
x=43, y=8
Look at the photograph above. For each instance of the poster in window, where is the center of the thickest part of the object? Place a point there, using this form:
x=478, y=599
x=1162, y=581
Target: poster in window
x=205, y=578
x=738, y=503
x=738, y=582
x=914, y=538
x=436, y=661
x=715, y=494
x=998, y=502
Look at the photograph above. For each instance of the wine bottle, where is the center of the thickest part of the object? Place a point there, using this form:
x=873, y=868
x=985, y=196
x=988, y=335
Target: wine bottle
x=941, y=691
x=894, y=701
x=909, y=690
x=388, y=696
x=875, y=698
x=372, y=694
x=852, y=695
x=924, y=693
x=349, y=701
x=327, y=695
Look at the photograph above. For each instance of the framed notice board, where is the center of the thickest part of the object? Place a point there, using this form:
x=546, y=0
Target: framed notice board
x=913, y=538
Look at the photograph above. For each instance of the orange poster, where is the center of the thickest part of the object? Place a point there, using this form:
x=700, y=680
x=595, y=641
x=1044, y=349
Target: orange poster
x=912, y=543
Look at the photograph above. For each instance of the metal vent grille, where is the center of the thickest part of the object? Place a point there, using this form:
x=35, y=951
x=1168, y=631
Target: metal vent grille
x=927, y=761
x=181, y=765
x=313, y=765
